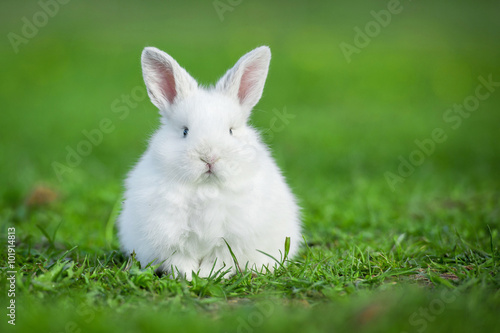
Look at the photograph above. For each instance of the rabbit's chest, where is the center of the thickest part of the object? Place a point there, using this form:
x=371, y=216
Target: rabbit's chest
x=206, y=223
x=203, y=218
x=208, y=216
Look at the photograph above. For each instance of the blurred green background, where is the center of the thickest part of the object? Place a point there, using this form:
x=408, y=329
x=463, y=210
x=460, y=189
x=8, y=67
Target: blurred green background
x=355, y=117
x=351, y=120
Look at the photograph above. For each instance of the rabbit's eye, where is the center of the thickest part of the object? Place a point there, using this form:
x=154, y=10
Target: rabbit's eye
x=186, y=131
x=231, y=131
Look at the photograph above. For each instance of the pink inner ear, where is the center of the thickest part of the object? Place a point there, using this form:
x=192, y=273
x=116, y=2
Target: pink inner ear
x=166, y=81
x=247, y=81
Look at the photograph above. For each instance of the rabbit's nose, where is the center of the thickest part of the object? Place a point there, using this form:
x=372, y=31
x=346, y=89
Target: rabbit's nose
x=210, y=160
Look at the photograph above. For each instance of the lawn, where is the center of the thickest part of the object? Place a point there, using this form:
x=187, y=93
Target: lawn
x=390, y=141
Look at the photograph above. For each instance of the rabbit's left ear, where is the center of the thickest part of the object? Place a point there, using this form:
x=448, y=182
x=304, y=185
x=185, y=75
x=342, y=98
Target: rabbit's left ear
x=166, y=81
x=245, y=81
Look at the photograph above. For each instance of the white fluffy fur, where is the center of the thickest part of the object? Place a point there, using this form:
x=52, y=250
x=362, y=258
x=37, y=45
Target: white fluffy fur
x=177, y=214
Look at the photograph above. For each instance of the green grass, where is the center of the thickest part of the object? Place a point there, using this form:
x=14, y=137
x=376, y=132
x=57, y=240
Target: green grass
x=423, y=257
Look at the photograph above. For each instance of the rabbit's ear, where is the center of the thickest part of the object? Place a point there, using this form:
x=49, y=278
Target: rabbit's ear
x=165, y=80
x=245, y=81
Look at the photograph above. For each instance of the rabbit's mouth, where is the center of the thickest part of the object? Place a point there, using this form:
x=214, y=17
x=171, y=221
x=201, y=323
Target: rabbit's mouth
x=210, y=169
x=209, y=173
x=211, y=176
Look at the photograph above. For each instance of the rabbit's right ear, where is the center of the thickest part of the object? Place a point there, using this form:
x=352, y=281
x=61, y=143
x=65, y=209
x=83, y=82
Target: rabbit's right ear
x=245, y=81
x=165, y=80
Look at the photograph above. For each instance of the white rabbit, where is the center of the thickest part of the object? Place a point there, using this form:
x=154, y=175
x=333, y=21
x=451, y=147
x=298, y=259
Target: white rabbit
x=206, y=178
